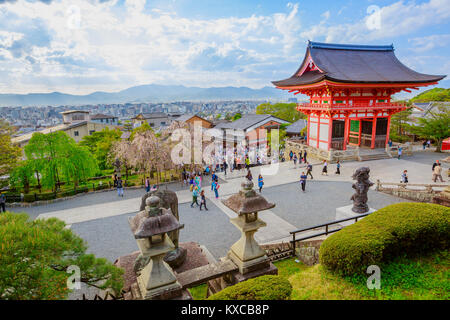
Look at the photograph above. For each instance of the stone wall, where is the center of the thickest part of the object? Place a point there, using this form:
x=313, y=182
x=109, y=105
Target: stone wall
x=308, y=251
x=330, y=155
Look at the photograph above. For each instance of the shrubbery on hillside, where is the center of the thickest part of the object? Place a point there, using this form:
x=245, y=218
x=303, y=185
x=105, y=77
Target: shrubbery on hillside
x=396, y=230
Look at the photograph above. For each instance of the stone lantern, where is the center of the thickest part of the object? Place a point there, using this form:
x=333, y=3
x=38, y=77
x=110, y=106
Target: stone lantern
x=246, y=252
x=150, y=227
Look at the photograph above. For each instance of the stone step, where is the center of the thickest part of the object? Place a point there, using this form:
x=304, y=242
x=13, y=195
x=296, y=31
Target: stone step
x=368, y=157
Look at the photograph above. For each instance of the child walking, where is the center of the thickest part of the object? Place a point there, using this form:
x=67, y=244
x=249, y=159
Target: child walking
x=338, y=167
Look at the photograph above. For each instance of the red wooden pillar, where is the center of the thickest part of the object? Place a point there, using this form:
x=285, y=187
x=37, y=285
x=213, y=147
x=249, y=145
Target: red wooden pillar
x=318, y=130
x=330, y=132
x=374, y=132
x=346, y=131
x=388, y=129
x=307, y=129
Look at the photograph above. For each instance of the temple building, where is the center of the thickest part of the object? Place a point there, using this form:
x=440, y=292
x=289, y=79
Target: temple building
x=350, y=89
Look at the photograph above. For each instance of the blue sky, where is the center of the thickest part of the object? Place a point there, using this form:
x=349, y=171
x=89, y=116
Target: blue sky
x=82, y=46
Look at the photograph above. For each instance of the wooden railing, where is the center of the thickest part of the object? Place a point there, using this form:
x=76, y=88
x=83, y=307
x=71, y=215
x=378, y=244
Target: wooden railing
x=354, y=106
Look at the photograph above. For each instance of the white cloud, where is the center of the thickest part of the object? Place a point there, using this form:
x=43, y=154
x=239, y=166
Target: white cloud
x=139, y=45
x=422, y=44
x=397, y=19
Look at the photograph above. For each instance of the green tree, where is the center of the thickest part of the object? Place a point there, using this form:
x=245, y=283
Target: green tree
x=285, y=111
x=35, y=256
x=128, y=126
x=399, y=126
x=228, y=116
x=100, y=143
x=58, y=156
x=23, y=176
x=436, y=126
x=141, y=129
x=435, y=94
x=9, y=153
x=236, y=116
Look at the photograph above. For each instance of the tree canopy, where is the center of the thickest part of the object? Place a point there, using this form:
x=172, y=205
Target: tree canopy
x=436, y=126
x=285, y=111
x=36, y=254
x=236, y=116
x=9, y=153
x=435, y=94
x=100, y=144
x=56, y=156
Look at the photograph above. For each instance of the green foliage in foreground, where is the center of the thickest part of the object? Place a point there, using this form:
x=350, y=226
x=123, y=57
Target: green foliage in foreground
x=199, y=292
x=261, y=288
x=423, y=278
x=420, y=278
x=34, y=257
x=400, y=229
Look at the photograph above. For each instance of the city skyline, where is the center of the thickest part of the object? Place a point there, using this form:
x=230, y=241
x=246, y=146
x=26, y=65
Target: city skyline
x=83, y=46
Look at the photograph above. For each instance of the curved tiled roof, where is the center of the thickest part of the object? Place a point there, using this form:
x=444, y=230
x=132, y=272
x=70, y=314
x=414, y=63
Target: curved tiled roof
x=355, y=64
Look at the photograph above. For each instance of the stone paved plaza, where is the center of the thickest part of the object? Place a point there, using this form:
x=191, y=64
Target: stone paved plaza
x=102, y=218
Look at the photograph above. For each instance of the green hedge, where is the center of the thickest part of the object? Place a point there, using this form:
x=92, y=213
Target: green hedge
x=260, y=288
x=396, y=230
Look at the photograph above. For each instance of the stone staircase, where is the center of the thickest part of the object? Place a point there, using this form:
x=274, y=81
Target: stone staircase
x=373, y=154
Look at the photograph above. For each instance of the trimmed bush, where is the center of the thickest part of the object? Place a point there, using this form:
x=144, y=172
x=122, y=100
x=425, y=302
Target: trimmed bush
x=260, y=288
x=403, y=229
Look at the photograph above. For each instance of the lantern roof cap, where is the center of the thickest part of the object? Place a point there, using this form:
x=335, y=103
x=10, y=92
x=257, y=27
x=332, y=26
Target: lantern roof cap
x=247, y=200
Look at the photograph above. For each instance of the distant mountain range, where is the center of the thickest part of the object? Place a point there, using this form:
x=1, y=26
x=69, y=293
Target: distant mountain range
x=145, y=93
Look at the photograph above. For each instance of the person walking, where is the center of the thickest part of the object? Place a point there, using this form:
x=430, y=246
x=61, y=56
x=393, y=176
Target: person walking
x=303, y=178
x=2, y=202
x=194, y=196
x=338, y=167
x=400, y=151
x=213, y=178
x=405, y=176
x=325, y=168
x=424, y=144
x=437, y=173
x=260, y=182
x=225, y=165
x=290, y=155
x=300, y=157
x=309, y=169
x=216, y=188
x=390, y=143
x=119, y=187
x=115, y=181
x=147, y=184
x=295, y=160
x=203, y=200
x=436, y=163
